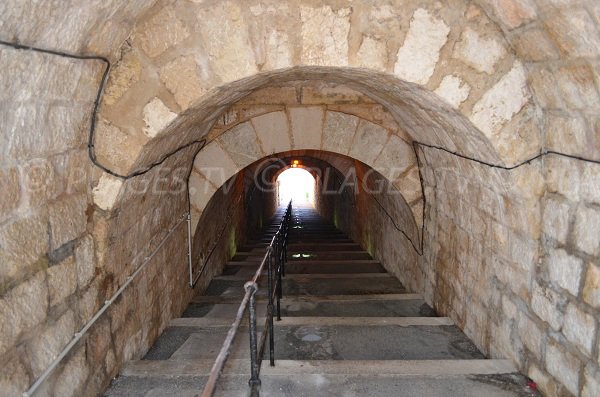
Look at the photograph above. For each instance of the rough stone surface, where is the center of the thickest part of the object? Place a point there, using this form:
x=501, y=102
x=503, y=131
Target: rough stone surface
x=420, y=52
x=49, y=343
x=125, y=74
x=563, y=366
x=13, y=378
x=62, y=280
x=181, y=77
x=11, y=191
x=242, y=145
x=67, y=220
x=565, y=270
x=162, y=31
x=157, y=116
x=587, y=230
x=107, y=191
x=454, y=90
x=574, y=32
x=477, y=52
x=325, y=35
x=338, y=131
x=211, y=155
x=544, y=303
x=368, y=141
x=85, y=260
x=514, y=13
x=272, y=130
x=372, y=54
x=591, y=289
x=580, y=328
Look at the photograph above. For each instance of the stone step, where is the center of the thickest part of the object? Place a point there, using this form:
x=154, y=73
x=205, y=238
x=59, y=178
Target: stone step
x=328, y=286
x=304, y=255
x=319, y=247
x=311, y=267
x=315, y=298
x=245, y=276
x=321, y=308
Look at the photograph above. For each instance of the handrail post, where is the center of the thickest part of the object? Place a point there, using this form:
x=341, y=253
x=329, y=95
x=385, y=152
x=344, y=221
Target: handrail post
x=270, y=306
x=254, y=381
x=279, y=281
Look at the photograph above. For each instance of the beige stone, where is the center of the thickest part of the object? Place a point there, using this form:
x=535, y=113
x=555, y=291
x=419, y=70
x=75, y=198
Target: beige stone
x=279, y=50
x=564, y=366
x=514, y=13
x=395, y=158
x=338, y=131
x=123, y=76
x=182, y=78
x=566, y=135
x=307, y=126
x=241, y=143
x=157, y=116
x=368, y=142
x=22, y=308
x=420, y=52
x=591, y=385
x=325, y=35
x=480, y=53
x=574, y=32
x=160, y=32
x=11, y=191
x=565, y=270
x=577, y=87
x=372, y=54
x=587, y=230
x=591, y=289
x=85, y=260
x=530, y=335
x=580, y=328
x=225, y=37
x=545, y=303
x=215, y=164
x=272, y=130
x=62, y=280
x=13, y=377
x=454, y=90
x=107, y=191
x=73, y=375
x=47, y=345
x=556, y=219
x=502, y=101
x=590, y=183
x=68, y=220
x=534, y=45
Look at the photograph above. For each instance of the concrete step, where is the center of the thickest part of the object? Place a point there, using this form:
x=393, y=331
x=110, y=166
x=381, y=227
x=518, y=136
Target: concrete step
x=326, y=286
x=304, y=255
x=291, y=378
x=308, y=298
x=304, y=277
x=321, y=308
x=308, y=267
x=321, y=247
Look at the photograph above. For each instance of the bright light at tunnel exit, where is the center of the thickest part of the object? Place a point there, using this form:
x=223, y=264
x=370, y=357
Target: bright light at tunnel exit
x=296, y=184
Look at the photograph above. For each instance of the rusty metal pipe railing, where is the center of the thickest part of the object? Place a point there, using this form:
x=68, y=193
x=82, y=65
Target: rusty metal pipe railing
x=276, y=252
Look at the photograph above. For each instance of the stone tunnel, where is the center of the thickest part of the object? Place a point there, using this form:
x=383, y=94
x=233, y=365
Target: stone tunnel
x=457, y=142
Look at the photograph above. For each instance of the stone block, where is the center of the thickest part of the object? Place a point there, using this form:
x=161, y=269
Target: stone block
x=587, y=230
x=574, y=32
x=88, y=303
x=563, y=176
x=453, y=90
x=273, y=131
x=368, y=142
x=591, y=289
x=73, y=376
x=338, y=131
x=201, y=191
x=325, y=35
x=226, y=40
x=420, y=52
x=591, y=382
x=215, y=164
x=157, y=116
x=62, y=280
x=534, y=45
x=556, y=219
x=505, y=99
x=478, y=52
x=590, y=181
x=85, y=260
x=241, y=143
x=68, y=220
x=566, y=135
x=182, y=78
x=105, y=194
x=13, y=377
x=514, y=13
x=580, y=328
x=122, y=77
x=396, y=157
x=372, y=54
x=307, y=127
x=279, y=50
x=563, y=366
x=46, y=346
x=565, y=270
x=11, y=191
x=544, y=381
x=546, y=304
x=531, y=335
x=578, y=87
x=161, y=31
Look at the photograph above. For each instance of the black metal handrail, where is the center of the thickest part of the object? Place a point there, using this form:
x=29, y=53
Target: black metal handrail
x=274, y=260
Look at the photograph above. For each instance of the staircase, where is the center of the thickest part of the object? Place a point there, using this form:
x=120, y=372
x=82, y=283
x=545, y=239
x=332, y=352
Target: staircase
x=348, y=328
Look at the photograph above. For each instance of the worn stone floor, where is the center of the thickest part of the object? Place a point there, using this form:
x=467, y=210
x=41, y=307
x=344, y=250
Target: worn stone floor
x=349, y=329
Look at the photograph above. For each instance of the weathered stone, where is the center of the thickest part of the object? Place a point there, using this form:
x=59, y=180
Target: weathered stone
x=544, y=381
x=502, y=101
x=591, y=386
x=11, y=191
x=556, y=219
x=272, y=130
x=454, y=90
x=67, y=220
x=590, y=183
x=215, y=164
x=157, y=116
x=279, y=51
x=85, y=260
x=368, y=141
x=395, y=158
x=13, y=377
x=22, y=308
x=160, y=32
x=62, y=280
x=201, y=191
x=530, y=335
x=181, y=77
x=587, y=230
x=591, y=289
x=563, y=177
x=372, y=54
x=88, y=303
x=566, y=135
x=23, y=244
x=514, y=13
x=545, y=303
x=580, y=328
x=578, y=87
x=225, y=37
x=242, y=145
x=307, y=127
x=325, y=35
x=565, y=270
x=107, y=191
x=564, y=366
x=122, y=77
x=338, y=131
x=534, y=45
x=73, y=376
x=480, y=53
x=574, y=32
x=44, y=348
x=420, y=52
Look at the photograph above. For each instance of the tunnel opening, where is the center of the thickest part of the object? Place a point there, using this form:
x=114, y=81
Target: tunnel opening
x=296, y=184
